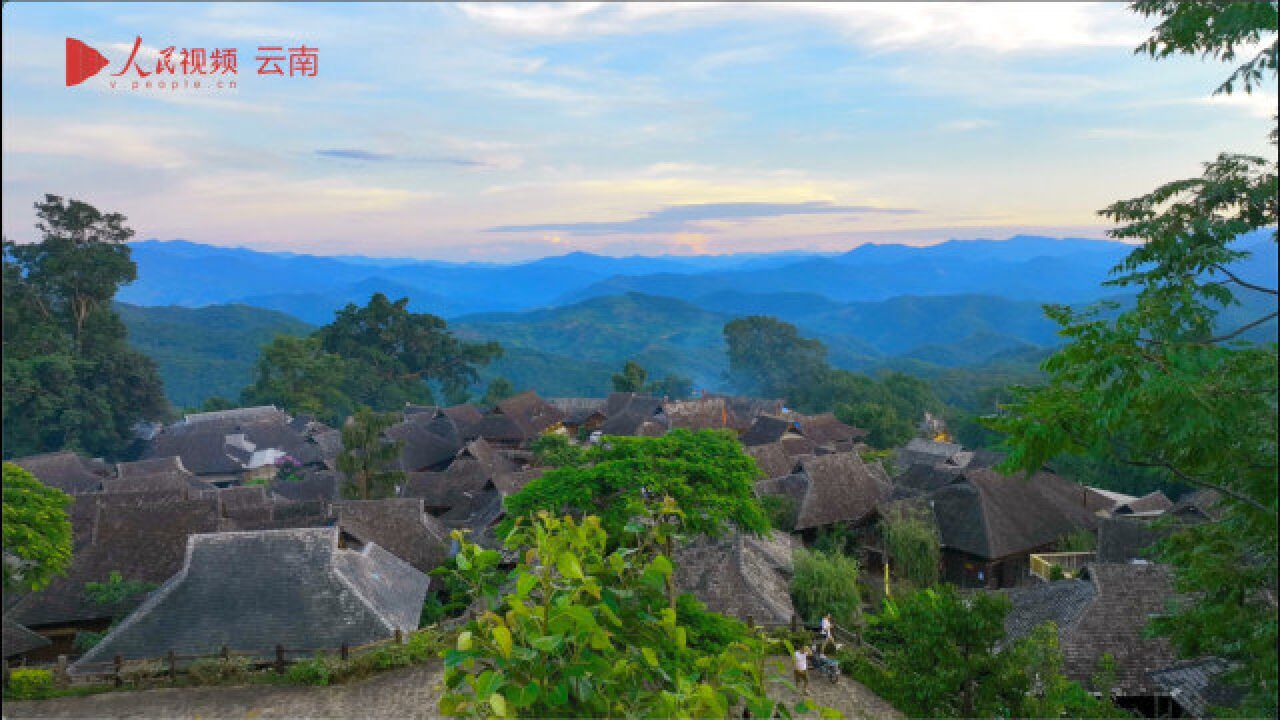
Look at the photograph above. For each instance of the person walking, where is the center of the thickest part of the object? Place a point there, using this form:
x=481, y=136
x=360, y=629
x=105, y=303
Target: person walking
x=828, y=633
x=802, y=668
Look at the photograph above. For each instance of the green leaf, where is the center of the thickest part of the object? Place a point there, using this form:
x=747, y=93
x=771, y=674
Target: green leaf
x=649, y=656
x=465, y=640
x=568, y=566
x=502, y=637
x=499, y=704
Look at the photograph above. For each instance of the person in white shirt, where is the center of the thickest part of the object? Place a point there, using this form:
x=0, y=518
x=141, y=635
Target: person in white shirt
x=802, y=668
x=828, y=632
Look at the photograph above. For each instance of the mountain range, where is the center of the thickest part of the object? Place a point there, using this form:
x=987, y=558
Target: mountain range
x=568, y=322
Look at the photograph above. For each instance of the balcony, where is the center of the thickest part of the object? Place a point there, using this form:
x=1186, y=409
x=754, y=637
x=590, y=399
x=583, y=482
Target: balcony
x=1071, y=563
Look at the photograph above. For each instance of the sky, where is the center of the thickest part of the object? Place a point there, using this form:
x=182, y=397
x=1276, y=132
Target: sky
x=506, y=132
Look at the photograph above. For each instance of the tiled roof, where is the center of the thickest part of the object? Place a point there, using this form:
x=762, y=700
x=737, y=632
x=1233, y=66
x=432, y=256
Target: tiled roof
x=250, y=591
x=66, y=471
x=398, y=525
x=1197, y=685
x=838, y=487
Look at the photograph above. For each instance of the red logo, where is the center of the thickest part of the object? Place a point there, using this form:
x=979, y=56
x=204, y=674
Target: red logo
x=83, y=62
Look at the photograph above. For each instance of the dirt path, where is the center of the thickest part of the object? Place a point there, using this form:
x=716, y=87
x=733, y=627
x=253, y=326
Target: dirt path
x=407, y=693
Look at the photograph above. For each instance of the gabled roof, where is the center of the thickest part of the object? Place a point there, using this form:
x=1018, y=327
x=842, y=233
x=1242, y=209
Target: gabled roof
x=578, y=410
x=744, y=410
x=1105, y=611
x=66, y=471
x=1151, y=503
x=1199, y=506
x=826, y=429
x=992, y=516
x=704, y=413
x=837, y=487
x=1197, y=685
x=428, y=441
x=155, y=475
x=141, y=541
x=398, y=525
x=517, y=419
x=768, y=429
x=251, y=591
x=464, y=416
x=238, y=415
x=227, y=443
x=740, y=575
x=314, y=485
x=772, y=459
x=19, y=640
x=927, y=478
x=920, y=451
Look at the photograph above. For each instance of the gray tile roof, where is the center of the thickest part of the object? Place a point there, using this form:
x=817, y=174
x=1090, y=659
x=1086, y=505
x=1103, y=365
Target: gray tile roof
x=250, y=591
x=19, y=640
x=1197, y=685
x=428, y=441
x=1122, y=539
x=1059, y=602
x=826, y=429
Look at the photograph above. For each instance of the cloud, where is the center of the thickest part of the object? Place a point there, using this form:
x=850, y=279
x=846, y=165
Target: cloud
x=965, y=125
x=137, y=145
x=997, y=27
x=679, y=218
x=370, y=156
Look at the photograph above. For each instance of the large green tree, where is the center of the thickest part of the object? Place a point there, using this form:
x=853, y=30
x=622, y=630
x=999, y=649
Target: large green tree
x=71, y=381
x=706, y=472
x=37, y=532
x=1163, y=385
x=380, y=355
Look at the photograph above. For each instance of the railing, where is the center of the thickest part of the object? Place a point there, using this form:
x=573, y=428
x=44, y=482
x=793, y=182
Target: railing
x=1069, y=563
x=172, y=664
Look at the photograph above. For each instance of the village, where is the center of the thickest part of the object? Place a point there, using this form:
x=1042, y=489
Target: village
x=236, y=535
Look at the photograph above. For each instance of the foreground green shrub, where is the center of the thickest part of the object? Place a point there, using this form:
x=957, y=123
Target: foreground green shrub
x=826, y=583
x=30, y=683
x=912, y=546
x=319, y=670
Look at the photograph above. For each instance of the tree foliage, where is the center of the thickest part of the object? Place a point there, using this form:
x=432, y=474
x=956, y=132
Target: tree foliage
x=706, y=472
x=911, y=548
x=379, y=355
x=37, y=532
x=70, y=379
x=367, y=457
x=631, y=379
x=585, y=629
x=826, y=583
x=1162, y=386
x=499, y=389
x=769, y=357
x=945, y=655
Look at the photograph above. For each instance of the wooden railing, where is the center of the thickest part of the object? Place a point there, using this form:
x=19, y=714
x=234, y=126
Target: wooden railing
x=115, y=671
x=1071, y=563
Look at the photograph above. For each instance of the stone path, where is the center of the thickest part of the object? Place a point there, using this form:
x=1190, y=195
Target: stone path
x=405, y=693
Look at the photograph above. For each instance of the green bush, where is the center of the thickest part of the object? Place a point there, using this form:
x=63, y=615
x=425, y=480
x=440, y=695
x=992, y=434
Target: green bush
x=1056, y=573
x=826, y=583
x=913, y=548
x=141, y=673
x=30, y=683
x=319, y=670
x=217, y=671
x=708, y=631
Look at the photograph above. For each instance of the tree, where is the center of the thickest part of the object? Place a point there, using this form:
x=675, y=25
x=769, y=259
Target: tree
x=499, y=389
x=367, y=457
x=826, y=583
x=631, y=379
x=554, y=449
x=1162, y=385
x=296, y=374
x=705, y=472
x=37, y=532
x=911, y=547
x=70, y=379
x=584, y=630
x=672, y=386
x=396, y=352
x=768, y=356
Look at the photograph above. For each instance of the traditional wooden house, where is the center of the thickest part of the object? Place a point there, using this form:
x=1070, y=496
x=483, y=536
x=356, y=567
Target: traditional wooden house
x=740, y=575
x=67, y=471
x=19, y=642
x=143, y=542
x=428, y=441
x=826, y=431
x=582, y=416
x=517, y=421
x=398, y=525
x=634, y=414
x=300, y=589
x=1106, y=611
x=989, y=524
x=837, y=488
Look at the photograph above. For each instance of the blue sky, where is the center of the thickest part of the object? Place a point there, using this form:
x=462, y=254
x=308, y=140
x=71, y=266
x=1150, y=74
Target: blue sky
x=506, y=132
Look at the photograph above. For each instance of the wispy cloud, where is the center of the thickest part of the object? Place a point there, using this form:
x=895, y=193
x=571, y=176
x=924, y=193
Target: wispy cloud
x=677, y=218
x=965, y=125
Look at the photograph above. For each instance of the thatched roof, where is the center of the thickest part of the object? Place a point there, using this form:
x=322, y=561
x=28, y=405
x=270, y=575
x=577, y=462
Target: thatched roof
x=464, y=416
x=164, y=475
x=768, y=429
x=428, y=441
x=990, y=515
x=704, y=413
x=399, y=525
x=66, y=471
x=920, y=451
x=250, y=591
x=827, y=489
x=772, y=459
x=826, y=429
x=740, y=575
x=517, y=419
x=578, y=410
